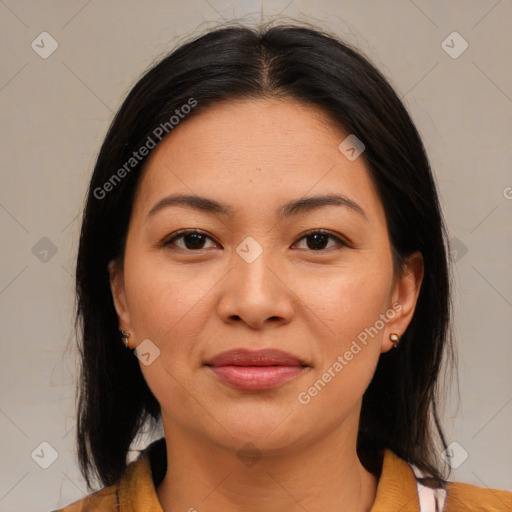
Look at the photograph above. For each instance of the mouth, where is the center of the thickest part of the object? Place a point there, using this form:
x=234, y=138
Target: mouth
x=256, y=370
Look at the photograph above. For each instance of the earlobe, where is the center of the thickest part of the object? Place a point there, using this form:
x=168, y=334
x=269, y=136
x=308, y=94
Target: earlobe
x=404, y=299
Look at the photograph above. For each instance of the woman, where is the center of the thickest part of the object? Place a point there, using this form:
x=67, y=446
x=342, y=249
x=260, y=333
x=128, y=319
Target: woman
x=263, y=230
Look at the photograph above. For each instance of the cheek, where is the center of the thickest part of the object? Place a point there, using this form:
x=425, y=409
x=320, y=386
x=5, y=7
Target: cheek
x=346, y=300
x=347, y=306
x=169, y=307
x=163, y=300
x=351, y=308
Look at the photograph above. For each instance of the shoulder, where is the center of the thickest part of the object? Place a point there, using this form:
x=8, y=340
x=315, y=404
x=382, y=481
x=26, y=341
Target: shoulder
x=106, y=500
x=134, y=491
x=471, y=498
x=400, y=489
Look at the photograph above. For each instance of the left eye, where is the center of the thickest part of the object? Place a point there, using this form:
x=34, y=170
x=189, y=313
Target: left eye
x=195, y=240
x=319, y=239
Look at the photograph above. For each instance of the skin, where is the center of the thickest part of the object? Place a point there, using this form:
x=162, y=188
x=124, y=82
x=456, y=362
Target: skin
x=255, y=155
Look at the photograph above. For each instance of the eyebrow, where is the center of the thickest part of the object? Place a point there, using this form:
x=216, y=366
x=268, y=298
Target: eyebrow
x=289, y=209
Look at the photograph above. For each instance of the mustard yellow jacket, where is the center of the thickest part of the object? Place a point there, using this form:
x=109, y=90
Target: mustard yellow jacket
x=397, y=490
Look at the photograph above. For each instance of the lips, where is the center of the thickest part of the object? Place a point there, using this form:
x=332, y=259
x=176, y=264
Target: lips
x=243, y=357
x=256, y=370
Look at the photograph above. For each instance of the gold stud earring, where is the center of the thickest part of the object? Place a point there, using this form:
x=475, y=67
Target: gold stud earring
x=124, y=337
x=394, y=338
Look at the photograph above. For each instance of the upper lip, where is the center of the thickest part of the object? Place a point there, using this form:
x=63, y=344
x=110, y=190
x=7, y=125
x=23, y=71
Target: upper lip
x=245, y=357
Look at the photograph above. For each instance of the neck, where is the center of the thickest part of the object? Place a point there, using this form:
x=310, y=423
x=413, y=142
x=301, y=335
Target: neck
x=327, y=475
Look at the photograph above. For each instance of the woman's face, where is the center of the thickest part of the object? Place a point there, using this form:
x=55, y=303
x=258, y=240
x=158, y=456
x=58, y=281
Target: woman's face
x=253, y=278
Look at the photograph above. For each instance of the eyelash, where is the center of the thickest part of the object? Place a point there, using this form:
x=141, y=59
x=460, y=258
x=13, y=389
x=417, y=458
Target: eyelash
x=181, y=234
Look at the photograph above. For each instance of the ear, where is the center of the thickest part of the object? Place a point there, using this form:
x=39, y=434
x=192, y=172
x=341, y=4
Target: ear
x=119, y=296
x=404, y=297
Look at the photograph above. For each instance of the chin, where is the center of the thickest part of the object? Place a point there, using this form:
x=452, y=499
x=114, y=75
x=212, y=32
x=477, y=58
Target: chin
x=268, y=430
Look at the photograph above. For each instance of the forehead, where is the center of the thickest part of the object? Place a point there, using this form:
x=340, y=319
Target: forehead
x=253, y=153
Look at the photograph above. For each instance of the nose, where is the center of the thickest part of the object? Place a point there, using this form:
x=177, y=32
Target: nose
x=256, y=293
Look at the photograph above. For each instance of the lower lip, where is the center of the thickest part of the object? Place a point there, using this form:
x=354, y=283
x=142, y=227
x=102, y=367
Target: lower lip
x=256, y=378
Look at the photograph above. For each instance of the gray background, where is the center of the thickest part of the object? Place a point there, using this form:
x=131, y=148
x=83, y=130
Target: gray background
x=55, y=112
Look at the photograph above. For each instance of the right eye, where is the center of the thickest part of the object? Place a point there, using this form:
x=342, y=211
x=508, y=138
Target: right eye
x=192, y=240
